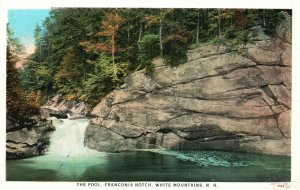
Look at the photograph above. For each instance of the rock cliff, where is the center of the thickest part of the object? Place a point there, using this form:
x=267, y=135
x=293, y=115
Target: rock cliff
x=27, y=139
x=221, y=99
x=60, y=108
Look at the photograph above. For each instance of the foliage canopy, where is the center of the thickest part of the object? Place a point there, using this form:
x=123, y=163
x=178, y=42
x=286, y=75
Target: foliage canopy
x=84, y=53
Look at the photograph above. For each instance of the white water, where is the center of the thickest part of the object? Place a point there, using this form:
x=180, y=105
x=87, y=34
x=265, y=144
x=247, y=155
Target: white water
x=67, y=155
x=68, y=138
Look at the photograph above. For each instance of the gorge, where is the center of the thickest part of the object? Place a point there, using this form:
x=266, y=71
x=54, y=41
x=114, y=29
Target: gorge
x=221, y=99
x=227, y=109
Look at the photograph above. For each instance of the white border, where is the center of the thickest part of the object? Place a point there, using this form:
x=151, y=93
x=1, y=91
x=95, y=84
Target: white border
x=152, y=3
x=42, y=4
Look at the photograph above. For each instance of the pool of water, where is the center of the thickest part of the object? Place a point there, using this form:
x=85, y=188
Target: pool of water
x=156, y=165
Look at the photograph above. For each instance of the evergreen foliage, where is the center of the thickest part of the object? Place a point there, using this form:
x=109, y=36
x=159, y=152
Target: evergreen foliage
x=85, y=53
x=17, y=106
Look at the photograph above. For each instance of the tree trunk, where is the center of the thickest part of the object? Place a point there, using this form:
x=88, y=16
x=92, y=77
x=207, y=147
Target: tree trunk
x=264, y=18
x=83, y=58
x=231, y=19
x=206, y=18
x=219, y=21
x=113, y=55
x=83, y=63
x=140, y=36
x=113, y=48
x=160, y=37
x=198, y=23
x=128, y=36
x=243, y=21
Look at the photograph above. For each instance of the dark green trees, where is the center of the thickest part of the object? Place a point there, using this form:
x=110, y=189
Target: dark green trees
x=85, y=53
x=17, y=106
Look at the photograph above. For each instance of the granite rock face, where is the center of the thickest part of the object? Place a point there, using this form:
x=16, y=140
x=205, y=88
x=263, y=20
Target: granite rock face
x=28, y=141
x=62, y=109
x=221, y=99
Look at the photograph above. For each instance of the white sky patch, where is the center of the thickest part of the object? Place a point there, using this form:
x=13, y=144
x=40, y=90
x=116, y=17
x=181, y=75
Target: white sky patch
x=28, y=43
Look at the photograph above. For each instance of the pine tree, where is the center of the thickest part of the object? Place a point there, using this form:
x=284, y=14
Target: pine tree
x=38, y=39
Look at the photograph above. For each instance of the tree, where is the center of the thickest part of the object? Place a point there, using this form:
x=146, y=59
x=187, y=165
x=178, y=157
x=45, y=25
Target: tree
x=176, y=44
x=17, y=107
x=159, y=18
x=110, y=26
x=240, y=19
x=101, y=81
x=35, y=77
x=38, y=39
x=72, y=42
x=68, y=79
x=14, y=43
x=149, y=49
x=198, y=26
x=219, y=21
x=68, y=69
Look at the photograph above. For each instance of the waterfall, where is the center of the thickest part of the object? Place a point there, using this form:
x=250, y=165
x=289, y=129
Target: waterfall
x=68, y=138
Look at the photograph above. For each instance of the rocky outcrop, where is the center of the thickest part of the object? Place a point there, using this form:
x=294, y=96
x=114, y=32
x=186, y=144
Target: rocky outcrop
x=60, y=108
x=29, y=137
x=29, y=140
x=221, y=99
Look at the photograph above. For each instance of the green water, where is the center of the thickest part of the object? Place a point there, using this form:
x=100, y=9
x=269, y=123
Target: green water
x=153, y=166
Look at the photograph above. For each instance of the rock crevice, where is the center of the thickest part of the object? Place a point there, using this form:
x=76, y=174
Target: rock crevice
x=29, y=141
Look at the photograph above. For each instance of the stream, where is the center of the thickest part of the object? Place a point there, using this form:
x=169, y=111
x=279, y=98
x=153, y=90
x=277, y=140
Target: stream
x=68, y=160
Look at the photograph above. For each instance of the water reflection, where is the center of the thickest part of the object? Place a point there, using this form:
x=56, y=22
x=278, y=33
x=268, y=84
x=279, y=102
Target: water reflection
x=65, y=168
x=153, y=166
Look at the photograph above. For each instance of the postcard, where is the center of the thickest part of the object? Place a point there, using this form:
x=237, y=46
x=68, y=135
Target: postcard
x=146, y=95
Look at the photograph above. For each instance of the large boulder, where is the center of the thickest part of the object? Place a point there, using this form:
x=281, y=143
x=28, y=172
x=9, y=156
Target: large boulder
x=220, y=99
x=60, y=108
x=28, y=141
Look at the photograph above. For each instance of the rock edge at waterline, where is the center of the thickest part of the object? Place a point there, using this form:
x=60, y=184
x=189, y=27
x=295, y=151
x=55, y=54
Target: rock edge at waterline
x=28, y=140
